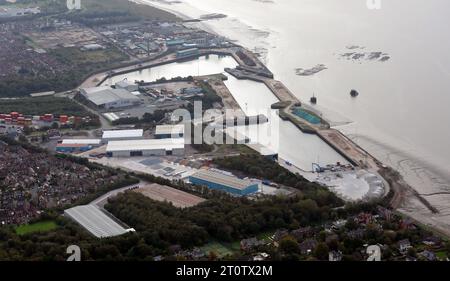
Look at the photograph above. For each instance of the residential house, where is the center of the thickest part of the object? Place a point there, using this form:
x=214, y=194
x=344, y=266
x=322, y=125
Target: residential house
x=356, y=234
x=261, y=257
x=280, y=234
x=427, y=255
x=335, y=256
x=302, y=233
x=404, y=245
x=250, y=244
x=364, y=218
x=308, y=246
x=432, y=241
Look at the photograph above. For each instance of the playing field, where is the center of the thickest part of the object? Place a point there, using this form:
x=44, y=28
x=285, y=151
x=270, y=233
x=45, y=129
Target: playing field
x=217, y=248
x=36, y=227
x=163, y=193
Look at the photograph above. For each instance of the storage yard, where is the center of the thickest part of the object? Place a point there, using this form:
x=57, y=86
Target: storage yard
x=353, y=185
x=157, y=166
x=164, y=193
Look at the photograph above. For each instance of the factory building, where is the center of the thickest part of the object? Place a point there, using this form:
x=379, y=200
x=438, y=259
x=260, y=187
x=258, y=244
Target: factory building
x=106, y=98
x=188, y=53
x=126, y=85
x=169, y=131
x=118, y=135
x=71, y=148
x=96, y=221
x=93, y=142
x=147, y=147
x=227, y=183
x=174, y=42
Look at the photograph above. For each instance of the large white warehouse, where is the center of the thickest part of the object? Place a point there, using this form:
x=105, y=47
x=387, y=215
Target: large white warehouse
x=95, y=221
x=169, y=131
x=106, y=98
x=147, y=147
x=116, y=135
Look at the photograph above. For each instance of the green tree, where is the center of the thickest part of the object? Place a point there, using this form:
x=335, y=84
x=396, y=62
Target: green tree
x=321, y=251
x=289, y=245
x=55, y=125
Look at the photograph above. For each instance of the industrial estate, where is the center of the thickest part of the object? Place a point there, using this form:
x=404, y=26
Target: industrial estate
x=107, y=157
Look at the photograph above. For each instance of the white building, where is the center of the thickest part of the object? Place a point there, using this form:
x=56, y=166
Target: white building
x=148, y=147
x=82, y=141
x=92, y=47
x=105, y=97
x=169, y=131
x=96, y=221
x=118, y=135
x=125, y=84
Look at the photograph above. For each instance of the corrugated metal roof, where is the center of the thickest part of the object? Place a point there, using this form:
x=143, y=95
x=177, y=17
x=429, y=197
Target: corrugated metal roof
x=104, y=95
x=123, y=134
x=223, y=179
x=73, y=145
x=81, y=141
x=169, y=129
x=149, y=144
x=95, y=221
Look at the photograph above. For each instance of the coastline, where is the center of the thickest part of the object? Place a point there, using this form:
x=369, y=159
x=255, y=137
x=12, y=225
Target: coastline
x=305, y=128
x=179, y=14
x=345, y=136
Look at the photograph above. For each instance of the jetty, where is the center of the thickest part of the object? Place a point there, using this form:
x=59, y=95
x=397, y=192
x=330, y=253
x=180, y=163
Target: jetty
x=287, y=104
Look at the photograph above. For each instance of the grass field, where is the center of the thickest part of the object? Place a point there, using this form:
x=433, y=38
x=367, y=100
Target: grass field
x=442, y=255
x=36, y=227
x=43, y=105
x=89, y=60
x=219, y=249
x=133, y=9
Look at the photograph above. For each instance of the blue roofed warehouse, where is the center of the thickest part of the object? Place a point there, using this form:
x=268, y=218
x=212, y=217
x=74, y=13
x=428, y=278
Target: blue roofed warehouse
x=219, y=181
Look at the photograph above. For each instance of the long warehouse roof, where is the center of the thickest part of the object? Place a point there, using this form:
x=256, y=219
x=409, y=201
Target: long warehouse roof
x=95, y=221
x=223, y=179
x=148, y=144
x=81, y=141
x=108, y=95
x=169, y=129
x=116, y=134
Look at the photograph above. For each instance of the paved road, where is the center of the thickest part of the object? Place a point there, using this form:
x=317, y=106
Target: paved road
x=102, y=200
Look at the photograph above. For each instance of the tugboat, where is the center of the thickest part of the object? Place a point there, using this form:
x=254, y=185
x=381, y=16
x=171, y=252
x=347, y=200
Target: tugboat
x=313, y=99
x=354, y=93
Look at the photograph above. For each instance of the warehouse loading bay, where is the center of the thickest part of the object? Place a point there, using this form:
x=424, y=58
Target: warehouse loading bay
x=177, y=168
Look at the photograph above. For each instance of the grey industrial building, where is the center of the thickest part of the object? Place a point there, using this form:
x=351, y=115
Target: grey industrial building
x=125, y=84
x=96, y=221
x=227, y=183
x=105, y=97
x=119, y=135
x=145, y=147
x=169, y=131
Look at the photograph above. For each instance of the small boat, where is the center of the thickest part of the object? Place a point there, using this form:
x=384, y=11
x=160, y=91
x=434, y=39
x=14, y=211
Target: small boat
x=313, y=99
x=354, y=93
